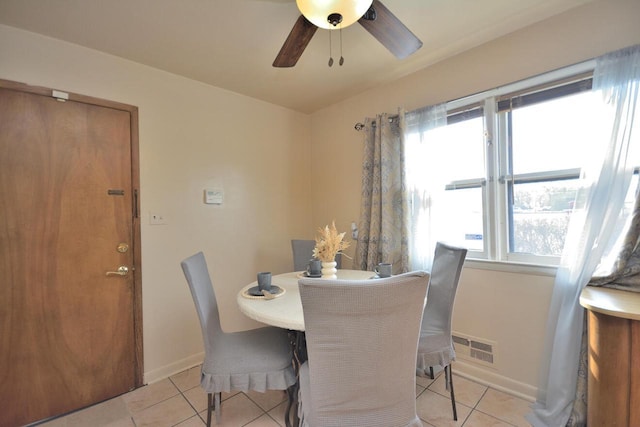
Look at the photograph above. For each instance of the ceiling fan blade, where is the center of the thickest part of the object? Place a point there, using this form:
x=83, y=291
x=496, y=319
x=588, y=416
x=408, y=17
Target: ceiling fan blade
x=390, y=31
x=296, y=42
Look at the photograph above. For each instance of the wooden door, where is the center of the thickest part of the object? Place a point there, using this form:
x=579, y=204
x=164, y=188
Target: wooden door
x=69, y=332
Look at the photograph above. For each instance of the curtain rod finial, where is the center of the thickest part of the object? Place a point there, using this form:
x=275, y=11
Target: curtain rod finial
x=359, y=126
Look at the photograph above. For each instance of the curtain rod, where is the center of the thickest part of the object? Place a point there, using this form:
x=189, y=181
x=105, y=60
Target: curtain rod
x=359, y=126
x=577, y=71
x=453, y=112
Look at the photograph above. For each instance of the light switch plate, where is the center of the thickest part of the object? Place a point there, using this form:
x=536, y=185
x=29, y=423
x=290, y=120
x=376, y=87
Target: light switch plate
x=213, y=196
x=156, y=218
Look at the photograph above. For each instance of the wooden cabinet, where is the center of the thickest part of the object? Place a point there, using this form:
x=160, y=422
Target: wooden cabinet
x=614, y=356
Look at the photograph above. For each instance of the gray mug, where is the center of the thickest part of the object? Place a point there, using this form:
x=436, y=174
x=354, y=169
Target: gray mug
x=383, y=269
x=264, y=281
x=314, y=268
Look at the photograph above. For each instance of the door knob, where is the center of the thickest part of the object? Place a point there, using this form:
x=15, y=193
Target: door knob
x=122, y=271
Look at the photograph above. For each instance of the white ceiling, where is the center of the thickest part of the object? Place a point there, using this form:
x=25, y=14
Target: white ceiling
x=232, y=43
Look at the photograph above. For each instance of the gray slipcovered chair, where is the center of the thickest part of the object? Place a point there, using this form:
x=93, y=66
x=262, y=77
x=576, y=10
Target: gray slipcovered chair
x=303, y=252
x=362, y=338
x=435, y=347
x=259, y=359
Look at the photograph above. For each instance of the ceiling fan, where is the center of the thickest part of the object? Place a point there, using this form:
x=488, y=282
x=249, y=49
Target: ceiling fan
x=376, y=19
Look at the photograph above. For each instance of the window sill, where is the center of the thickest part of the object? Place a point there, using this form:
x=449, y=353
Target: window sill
x=511, y=267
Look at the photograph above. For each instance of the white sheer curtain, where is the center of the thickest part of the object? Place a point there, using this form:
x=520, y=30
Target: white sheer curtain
x=598, y=207
x=423, y=185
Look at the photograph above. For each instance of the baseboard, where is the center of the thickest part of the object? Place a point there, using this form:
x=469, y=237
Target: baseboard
x=173, y=368
x=492, y=379
x=464, y=369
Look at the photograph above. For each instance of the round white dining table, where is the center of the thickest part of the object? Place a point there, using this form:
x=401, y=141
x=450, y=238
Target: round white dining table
x=285, y=311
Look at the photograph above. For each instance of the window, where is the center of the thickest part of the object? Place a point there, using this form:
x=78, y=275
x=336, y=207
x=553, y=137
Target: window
x=545, y=139
x=464, y=180
x=504, y=172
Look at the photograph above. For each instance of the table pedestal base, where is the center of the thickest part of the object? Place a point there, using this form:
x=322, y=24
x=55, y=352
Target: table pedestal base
x=299, y=350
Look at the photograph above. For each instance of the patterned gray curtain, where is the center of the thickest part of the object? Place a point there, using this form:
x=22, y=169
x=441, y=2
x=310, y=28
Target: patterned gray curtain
x=384, y=209
x=578, y=416
x=625, y=274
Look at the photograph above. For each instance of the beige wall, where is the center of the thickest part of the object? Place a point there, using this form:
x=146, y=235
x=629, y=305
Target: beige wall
x=191, y=136
x=507, y=307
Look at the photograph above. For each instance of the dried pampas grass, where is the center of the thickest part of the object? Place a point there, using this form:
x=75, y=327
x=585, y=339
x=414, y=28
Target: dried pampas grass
x=329, y=243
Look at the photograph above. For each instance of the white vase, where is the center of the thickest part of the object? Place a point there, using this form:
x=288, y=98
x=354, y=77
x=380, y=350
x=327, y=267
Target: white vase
x=329, y=270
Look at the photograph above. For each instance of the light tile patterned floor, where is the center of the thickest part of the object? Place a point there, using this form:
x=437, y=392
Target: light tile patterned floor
x=179, y=401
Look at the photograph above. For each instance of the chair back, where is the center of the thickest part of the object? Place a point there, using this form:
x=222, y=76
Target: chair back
x=197, y=275
x=303, y=252
x=445, y=275
x=361, y=342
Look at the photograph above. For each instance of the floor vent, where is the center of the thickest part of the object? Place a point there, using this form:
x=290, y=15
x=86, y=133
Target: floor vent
x=479, y=350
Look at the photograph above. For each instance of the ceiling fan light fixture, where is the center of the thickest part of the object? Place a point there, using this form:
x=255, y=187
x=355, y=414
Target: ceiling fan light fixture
x=322, y=13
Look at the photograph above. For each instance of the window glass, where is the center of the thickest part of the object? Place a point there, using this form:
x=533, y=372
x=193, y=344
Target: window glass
x=553, y=135
x=464, y=218
x=458, y=150
x=540, y=216
x=447, y=154
x=446, y=169
x=547, y=141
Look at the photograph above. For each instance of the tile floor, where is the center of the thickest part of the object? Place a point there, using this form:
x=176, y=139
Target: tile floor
x=179, y=401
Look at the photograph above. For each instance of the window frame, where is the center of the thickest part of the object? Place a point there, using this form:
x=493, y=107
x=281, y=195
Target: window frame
x=495, y=184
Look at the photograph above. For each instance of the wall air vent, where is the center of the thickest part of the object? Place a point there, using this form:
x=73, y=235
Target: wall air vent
x=479, y=350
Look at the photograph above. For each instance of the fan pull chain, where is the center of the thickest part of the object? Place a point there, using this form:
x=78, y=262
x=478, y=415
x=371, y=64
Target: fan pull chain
x=330, y=53
x=341, y=58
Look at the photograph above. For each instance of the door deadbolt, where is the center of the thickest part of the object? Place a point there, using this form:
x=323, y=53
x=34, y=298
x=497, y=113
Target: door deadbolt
x=122, y=248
